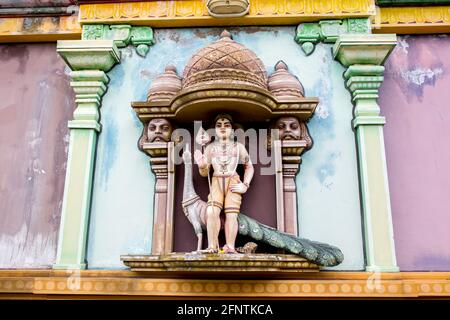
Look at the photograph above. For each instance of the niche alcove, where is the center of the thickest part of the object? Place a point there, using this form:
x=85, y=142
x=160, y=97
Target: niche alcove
x=227, y=77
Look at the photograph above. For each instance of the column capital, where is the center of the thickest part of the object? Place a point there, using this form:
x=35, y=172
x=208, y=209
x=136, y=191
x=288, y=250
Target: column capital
x=89, y=54
x=89, y=87
x=371, y=49
x=363, y=81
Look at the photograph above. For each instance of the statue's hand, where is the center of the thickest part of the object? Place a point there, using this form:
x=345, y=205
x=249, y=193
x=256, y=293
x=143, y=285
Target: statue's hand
x=200, y=159
x=187, y=156
x=239, y=188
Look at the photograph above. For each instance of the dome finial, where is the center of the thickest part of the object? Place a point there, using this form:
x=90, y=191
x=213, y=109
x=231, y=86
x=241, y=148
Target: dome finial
x=225, y=34
x=170, y=68
x=281, y=65
x=283, y=84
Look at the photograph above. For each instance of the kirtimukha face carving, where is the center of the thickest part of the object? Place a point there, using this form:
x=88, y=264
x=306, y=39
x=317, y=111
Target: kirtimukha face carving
x=289, y=128
x=159, y=130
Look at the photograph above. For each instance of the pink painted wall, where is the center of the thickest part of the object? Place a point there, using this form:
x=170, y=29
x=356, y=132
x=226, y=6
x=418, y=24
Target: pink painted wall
x=36, y=102
x=415, y=98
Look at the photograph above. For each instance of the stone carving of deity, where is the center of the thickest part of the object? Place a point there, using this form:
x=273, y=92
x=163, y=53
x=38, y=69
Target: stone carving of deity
x=226, y=188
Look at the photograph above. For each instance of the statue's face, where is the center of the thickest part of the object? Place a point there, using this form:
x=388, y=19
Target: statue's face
x=159, y=130
x=224, y=128
x=289, y=128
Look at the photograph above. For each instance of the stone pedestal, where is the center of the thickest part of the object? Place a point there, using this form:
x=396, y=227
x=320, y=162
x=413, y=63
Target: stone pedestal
x=204, y=265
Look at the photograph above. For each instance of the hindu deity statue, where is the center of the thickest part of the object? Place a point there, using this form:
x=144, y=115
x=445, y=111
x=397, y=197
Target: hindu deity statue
x=226, y=187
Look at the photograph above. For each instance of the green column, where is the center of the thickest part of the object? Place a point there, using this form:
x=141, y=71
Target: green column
x=89, y=60
x=364, y=55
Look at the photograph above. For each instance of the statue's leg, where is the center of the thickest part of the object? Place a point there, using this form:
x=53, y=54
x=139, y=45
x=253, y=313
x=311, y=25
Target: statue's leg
x=215, y=204
x=213, y=226
x=199, y=241
x=231, y=229
x=232, y=208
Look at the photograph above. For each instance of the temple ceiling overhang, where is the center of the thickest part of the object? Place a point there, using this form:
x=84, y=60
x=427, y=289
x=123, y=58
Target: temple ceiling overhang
x=401, y=17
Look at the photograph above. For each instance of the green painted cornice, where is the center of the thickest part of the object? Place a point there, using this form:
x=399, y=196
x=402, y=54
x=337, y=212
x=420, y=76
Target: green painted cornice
x=122, y=35
x=400, y=3
x=308, y=34
x=89, y=54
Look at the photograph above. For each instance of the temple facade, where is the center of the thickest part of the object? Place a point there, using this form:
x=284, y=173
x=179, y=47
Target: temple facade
x=339, y=125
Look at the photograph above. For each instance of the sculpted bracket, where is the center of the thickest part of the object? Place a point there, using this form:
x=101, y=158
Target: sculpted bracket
x=309, y=34
x=122, y=35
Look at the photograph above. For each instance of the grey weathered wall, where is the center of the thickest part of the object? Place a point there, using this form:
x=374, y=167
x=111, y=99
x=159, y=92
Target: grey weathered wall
x=35, y=3
x=35, y=104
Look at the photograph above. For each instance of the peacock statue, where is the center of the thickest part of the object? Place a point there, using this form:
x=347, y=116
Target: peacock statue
x=195, y=210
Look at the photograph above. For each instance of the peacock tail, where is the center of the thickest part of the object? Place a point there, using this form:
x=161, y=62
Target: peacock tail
x=321, y=254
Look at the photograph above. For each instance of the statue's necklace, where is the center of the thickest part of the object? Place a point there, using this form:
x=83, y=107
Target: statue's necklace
x=225, y=156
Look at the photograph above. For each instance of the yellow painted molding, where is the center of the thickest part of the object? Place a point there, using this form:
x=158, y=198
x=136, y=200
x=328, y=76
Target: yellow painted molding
x=189, y=13
x=412, y=20
x=39, y=29
x=116, y=284
x=193, y=13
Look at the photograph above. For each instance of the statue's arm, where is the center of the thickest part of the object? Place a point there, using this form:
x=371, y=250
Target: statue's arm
x=203, y=171
x=203, y=161
x=248, y=166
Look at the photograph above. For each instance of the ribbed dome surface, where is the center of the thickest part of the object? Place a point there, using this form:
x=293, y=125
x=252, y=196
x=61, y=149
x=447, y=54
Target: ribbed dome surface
x=165, y=86
x=283, y=84
x=225, y=60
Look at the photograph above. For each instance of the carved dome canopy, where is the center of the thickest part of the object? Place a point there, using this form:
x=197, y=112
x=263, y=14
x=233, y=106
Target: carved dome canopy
x=225, y=60
x=225, y=76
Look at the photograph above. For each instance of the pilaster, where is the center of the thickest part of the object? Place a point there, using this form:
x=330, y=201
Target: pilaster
x=291, y=151
x=364, y=55
x=161, y=154
x=89, y=61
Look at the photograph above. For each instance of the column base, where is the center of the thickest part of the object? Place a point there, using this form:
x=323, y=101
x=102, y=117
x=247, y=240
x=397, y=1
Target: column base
x=69, y=266
x=382, y=269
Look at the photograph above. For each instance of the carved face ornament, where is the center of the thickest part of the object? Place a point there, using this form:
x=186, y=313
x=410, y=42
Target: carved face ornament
x=289, y=128
x=159, y=130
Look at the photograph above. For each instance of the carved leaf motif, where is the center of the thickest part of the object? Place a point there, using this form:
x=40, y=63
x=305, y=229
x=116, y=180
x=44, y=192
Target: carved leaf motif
x=185, y=8
x=323, y=6
x=405, y=16
x=88, y=12
x=295, y=7
x=104, y=11
x=128, y=10
x=266, y=7
x=157, y=9
x=433, y=15
x=353, y=6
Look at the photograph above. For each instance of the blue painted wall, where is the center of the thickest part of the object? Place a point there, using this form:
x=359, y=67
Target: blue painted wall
x=329, y=210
